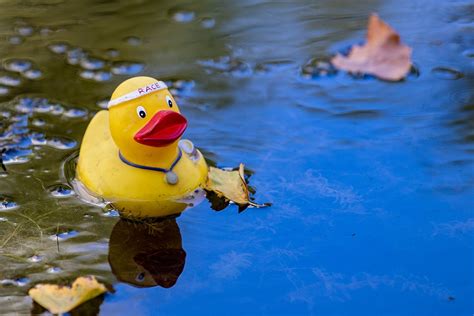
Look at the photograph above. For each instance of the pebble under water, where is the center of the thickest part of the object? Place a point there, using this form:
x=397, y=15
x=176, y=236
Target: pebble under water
x=371, y=182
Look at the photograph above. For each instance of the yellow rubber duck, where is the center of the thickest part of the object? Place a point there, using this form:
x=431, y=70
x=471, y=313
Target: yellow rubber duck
x=132, y=155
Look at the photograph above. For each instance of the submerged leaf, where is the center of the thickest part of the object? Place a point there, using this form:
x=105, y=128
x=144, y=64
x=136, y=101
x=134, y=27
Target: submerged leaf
x=61, y=299
x=228, y=185
x=383, y=55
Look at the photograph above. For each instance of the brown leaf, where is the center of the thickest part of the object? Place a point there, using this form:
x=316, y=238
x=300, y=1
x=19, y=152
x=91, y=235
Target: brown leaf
x=61, y=299
x=230, y=186
x=383, y=55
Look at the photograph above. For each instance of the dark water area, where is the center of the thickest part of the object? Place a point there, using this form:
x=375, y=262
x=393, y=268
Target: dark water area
x=372, y=183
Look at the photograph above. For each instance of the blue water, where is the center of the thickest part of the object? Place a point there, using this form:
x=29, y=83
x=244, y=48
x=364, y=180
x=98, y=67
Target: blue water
x=371, y=182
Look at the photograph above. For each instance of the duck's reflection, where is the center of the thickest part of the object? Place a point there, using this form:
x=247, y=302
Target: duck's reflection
x=146, y=255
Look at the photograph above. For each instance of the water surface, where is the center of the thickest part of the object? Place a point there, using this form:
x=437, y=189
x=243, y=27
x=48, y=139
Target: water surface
x=371, y=182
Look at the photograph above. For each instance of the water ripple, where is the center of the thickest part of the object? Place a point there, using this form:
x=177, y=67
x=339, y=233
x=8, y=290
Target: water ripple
x=17, y=65
x=447, y=73
x=181, y=16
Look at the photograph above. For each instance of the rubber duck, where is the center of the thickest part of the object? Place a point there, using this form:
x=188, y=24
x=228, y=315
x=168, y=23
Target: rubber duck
x=132, y=154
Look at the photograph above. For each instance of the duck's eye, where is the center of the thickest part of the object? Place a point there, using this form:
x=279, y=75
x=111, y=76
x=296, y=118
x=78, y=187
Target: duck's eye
x=141, y=111
x=140, y=277
x=169, y=101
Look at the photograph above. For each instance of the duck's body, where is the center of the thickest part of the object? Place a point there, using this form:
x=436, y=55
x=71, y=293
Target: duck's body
x=138, y=186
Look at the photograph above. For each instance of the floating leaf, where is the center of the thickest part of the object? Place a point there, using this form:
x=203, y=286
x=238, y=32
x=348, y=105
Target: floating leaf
x=383, y=55
x=61, y=299
x=229, y=185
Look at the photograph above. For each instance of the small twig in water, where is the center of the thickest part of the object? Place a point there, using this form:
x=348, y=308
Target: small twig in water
x=35, y=223
x=11, y=236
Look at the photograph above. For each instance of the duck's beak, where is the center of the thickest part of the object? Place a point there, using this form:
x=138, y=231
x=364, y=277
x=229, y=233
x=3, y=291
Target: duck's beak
x=162, y=129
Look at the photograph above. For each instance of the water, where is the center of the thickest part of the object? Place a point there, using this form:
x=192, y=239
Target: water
x=371, y=182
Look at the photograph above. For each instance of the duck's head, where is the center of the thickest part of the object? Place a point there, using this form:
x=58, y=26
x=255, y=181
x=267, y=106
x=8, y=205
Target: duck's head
x=145, y=119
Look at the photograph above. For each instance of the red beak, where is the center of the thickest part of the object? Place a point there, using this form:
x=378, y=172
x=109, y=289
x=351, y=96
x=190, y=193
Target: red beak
x=164, y=128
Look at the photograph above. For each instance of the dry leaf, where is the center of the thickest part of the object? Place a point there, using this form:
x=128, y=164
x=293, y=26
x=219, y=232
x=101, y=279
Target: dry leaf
x=383, y=55
x=61, y=299
x=230, y=185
